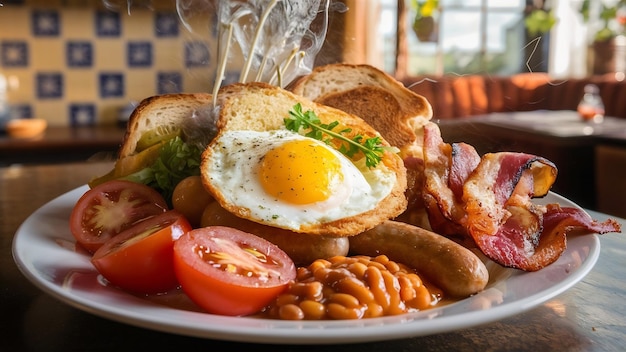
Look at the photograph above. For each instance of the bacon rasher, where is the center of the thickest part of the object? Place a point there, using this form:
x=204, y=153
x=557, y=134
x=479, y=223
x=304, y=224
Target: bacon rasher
x=489, y=200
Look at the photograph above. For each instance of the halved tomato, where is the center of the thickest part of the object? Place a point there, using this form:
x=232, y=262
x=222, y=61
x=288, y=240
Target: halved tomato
x=230, y=272
x=140, y=258
x=110, y=208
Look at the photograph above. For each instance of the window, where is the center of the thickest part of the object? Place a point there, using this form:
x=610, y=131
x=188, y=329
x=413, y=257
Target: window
x=467, y=36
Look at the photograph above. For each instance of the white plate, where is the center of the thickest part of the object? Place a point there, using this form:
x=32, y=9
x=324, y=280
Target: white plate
x=43, y=249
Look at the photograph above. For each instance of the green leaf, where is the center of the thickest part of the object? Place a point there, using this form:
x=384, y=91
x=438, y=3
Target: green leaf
x=371, y=148
x=539, y=22
x=177, y=160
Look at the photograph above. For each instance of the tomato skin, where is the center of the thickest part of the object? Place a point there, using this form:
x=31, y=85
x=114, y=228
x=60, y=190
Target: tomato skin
x=140, y=259
x=111, y=207
x=219, y=291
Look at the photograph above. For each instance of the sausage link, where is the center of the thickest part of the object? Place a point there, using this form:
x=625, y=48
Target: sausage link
x=302, y=248
x=447, y=264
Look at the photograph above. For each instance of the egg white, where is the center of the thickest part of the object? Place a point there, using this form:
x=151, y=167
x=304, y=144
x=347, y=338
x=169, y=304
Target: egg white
x=233, y=171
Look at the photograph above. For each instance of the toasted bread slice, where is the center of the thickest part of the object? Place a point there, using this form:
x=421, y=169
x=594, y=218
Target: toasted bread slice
x=157, y=115
x=379, y=99
x=262, y=107
x=161, y=111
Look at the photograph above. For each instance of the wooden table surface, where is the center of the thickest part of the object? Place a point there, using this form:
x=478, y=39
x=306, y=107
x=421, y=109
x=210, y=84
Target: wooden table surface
x=587, y=317
x=60, y=144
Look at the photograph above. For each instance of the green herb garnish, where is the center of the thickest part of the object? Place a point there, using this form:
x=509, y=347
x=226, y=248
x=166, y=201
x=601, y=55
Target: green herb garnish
x=372, y=148
x=177, y=160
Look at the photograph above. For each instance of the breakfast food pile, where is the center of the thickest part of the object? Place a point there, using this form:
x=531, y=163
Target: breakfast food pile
x=333, y=199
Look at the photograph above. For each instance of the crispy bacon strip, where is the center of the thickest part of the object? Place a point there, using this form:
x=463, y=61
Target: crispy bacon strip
x=446, y=168
x=503, y=180
x=489, y=200
x=463, y=162
x=509, y=247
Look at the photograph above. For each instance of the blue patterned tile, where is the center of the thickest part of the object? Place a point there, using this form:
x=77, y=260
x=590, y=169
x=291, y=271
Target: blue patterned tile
x=79, y=54
x=169, y=82
x=196, y=54
x=45, y=23
x=139, y=54
x=111, y=85
x=49, y=85
x=108, y=24
x=166, y=24
x=22, y=111
x=82, y=114
x=14, y=53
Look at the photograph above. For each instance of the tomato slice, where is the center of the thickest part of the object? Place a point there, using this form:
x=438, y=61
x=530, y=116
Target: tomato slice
x=140, y=258
x=230, y=272
x=110, y=208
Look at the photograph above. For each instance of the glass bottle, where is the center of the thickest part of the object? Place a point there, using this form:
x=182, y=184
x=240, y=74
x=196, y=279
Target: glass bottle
x=591, y=107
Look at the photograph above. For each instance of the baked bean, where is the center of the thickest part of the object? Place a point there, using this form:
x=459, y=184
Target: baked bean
x=382, y=259
x=415, y=280
x=376, y=283
x=377, y=265
x=286, y=299
x=423, y=299
x=392, y=266
x=337, y=311
x=396, y=305
x=344, y=299
x=339, y=259
x=352, y=288
x=337, y=275
x=320, y=274
x=302, y=273
x=355, y=287
x=290, y=312
x=407, y=291
x=374, y=310
x=320, y=263
x=312, y=310
x=358, y=269
x=309, y=290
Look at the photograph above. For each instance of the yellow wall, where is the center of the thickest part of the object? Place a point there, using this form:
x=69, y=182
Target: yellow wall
x=47, y=54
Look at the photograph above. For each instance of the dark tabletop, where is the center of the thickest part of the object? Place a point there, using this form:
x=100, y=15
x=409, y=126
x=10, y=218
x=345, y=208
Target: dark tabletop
x=587, y=317
x=60, y=144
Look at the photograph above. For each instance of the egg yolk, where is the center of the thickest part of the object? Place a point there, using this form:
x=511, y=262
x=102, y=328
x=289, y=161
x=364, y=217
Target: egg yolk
x=300, y=172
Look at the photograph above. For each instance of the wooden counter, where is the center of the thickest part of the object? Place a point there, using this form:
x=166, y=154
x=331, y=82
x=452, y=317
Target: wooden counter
x=62, y=144
x=587, y=317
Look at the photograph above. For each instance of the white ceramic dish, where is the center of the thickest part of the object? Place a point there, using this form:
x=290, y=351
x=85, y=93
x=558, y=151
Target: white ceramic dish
x=43, y=249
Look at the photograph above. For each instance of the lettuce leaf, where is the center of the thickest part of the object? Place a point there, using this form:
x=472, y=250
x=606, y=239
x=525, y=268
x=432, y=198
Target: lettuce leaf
x=177, y=160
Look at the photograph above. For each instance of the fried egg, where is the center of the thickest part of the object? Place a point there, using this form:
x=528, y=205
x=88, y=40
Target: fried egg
x=283, y=179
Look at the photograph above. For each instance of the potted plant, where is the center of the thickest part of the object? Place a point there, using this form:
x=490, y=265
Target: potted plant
x=425, y=23
x=538, y=22
x=610, y=34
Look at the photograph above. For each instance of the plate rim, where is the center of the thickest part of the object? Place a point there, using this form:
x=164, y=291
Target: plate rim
x=307, y=332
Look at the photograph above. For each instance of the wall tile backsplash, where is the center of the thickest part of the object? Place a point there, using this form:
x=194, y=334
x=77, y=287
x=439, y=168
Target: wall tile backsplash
x=81, y=65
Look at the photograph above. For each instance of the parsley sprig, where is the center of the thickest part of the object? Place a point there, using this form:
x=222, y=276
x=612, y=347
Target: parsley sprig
x=176, y=161
x=372, y=148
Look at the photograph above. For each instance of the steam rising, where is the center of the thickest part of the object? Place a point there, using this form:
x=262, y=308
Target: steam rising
x=278, y=40
x=274, y=37
x=116, y=5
